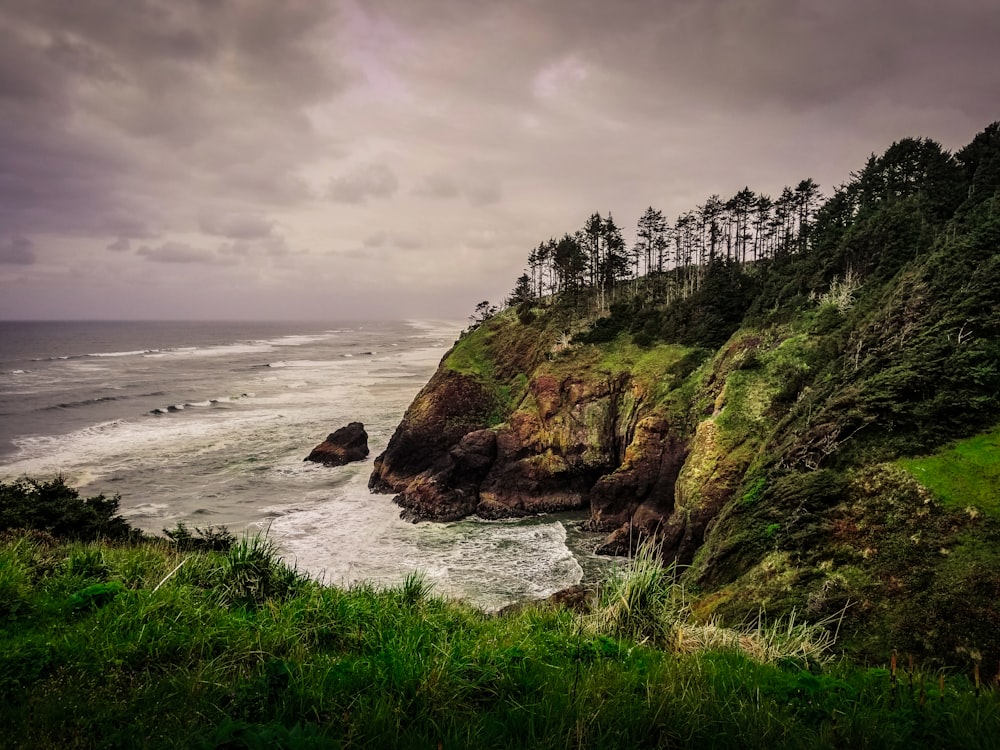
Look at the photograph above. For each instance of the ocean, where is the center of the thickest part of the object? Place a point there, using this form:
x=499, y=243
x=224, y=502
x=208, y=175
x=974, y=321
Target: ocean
x=208, y=423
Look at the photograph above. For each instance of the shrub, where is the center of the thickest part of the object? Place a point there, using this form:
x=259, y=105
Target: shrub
x=213, y=538
x=57, y=508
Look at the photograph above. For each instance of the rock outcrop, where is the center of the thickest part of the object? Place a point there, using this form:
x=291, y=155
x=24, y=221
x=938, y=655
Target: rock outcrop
x=781, y=427
x=349, y=443
x=578, y=435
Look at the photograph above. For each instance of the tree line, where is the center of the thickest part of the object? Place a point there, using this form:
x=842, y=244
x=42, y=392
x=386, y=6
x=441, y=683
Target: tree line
x=747, y=234
x=669, y=258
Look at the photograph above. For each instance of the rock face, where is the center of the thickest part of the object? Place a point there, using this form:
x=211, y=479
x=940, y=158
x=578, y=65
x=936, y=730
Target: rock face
x=634, y=501
x=565, y=434
x=573, y=436
x=702, y=453
x=449, y=407
x=349, y=443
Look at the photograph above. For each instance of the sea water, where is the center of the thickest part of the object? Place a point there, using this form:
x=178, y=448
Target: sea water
x=208, y=423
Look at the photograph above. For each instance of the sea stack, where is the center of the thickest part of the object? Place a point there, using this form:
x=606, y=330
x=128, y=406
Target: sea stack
x=349, y=443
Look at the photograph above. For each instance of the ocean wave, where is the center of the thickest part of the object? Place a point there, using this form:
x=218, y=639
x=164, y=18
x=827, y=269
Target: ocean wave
x=122, y=354
x=202, y=404
x=62, y=358
x=301, y=339
x=220, y=350
x=83, y=402
x=97, y=355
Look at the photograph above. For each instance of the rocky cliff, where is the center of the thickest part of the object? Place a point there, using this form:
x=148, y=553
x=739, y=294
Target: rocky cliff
x=818, y=433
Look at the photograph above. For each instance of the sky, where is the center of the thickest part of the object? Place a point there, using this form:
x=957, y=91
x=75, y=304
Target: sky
x=387, y=159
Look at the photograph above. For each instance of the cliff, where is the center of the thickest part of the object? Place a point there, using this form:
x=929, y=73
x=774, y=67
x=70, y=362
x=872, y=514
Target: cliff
x=790, y=433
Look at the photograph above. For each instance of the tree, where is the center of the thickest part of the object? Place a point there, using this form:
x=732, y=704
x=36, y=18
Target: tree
x=522, y=291
x=613, y=262
x=650, y=241
x=484, y=311
x=741, y=207
x=57, y=508
x=569, y=264
x=807, y=197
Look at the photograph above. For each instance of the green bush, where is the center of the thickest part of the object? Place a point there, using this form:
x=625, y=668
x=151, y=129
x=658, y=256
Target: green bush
x=55, y=507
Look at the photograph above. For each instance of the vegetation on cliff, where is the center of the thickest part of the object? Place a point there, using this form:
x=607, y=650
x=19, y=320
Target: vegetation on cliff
x=788, y=404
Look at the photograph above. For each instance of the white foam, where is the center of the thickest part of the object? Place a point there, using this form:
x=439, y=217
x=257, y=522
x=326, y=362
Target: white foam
x=222, y=350
x=120, y=354
x=299, y=340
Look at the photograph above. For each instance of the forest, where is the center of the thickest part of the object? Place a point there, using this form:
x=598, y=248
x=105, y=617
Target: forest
x=692, y=279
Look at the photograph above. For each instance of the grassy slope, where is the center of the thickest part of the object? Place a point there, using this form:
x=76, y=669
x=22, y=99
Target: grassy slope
x=117, y=646
x=966, y=474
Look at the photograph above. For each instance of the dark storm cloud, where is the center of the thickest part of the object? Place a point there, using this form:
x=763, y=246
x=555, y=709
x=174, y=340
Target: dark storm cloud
x=101, y=100
x=772, y=52
x=457, y=133
x=18, y=251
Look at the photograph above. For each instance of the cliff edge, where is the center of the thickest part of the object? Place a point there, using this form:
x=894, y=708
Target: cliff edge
x=814, y=433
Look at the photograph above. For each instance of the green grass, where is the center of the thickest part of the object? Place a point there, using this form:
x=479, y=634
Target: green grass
x=471, y=355
x=964, y=474
x=142, y=644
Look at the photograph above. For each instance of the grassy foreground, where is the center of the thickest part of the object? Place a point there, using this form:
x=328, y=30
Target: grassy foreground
x=142, y=644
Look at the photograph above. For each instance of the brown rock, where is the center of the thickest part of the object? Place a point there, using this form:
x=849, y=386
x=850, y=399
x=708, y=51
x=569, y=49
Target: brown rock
x=449, y=490
x=645, y=479
x=447, y=408
x=349, y=443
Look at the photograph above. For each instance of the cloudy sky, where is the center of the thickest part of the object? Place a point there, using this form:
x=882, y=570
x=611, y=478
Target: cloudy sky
x=350, y=159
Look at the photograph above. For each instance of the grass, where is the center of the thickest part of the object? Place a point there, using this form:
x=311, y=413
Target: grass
x=966, y=474
x=659, y=368
x=471, y=355
x=142, y=644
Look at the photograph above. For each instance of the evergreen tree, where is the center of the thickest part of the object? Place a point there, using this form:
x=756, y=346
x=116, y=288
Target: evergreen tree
x=522, y=291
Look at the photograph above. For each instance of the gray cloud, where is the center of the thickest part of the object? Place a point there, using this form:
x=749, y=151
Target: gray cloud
x=439, y=185
x=18, y=251
x=237, y=226
x=479, y=190
x=457, y=134
x=358, y=186
x=152, y=103
x=407, y=241
x=266, y=247
x=176, y=252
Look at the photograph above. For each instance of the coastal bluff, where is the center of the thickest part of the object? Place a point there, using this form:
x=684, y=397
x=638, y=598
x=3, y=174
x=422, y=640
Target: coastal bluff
x=744, y=466
x=806, y=424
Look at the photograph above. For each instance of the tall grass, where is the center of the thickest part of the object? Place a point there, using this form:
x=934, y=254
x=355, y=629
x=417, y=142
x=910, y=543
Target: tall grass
x=645, y=602
x=178, y=648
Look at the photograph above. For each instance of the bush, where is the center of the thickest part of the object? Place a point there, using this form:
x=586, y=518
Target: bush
x=57, y=508
x=212, y=538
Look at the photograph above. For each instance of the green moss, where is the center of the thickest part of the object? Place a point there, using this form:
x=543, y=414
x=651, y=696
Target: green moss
x=660, y=369
x=471, y=355
x=964, y=474
x=754, y=491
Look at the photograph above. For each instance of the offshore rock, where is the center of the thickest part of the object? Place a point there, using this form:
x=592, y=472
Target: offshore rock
x=349, y=443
